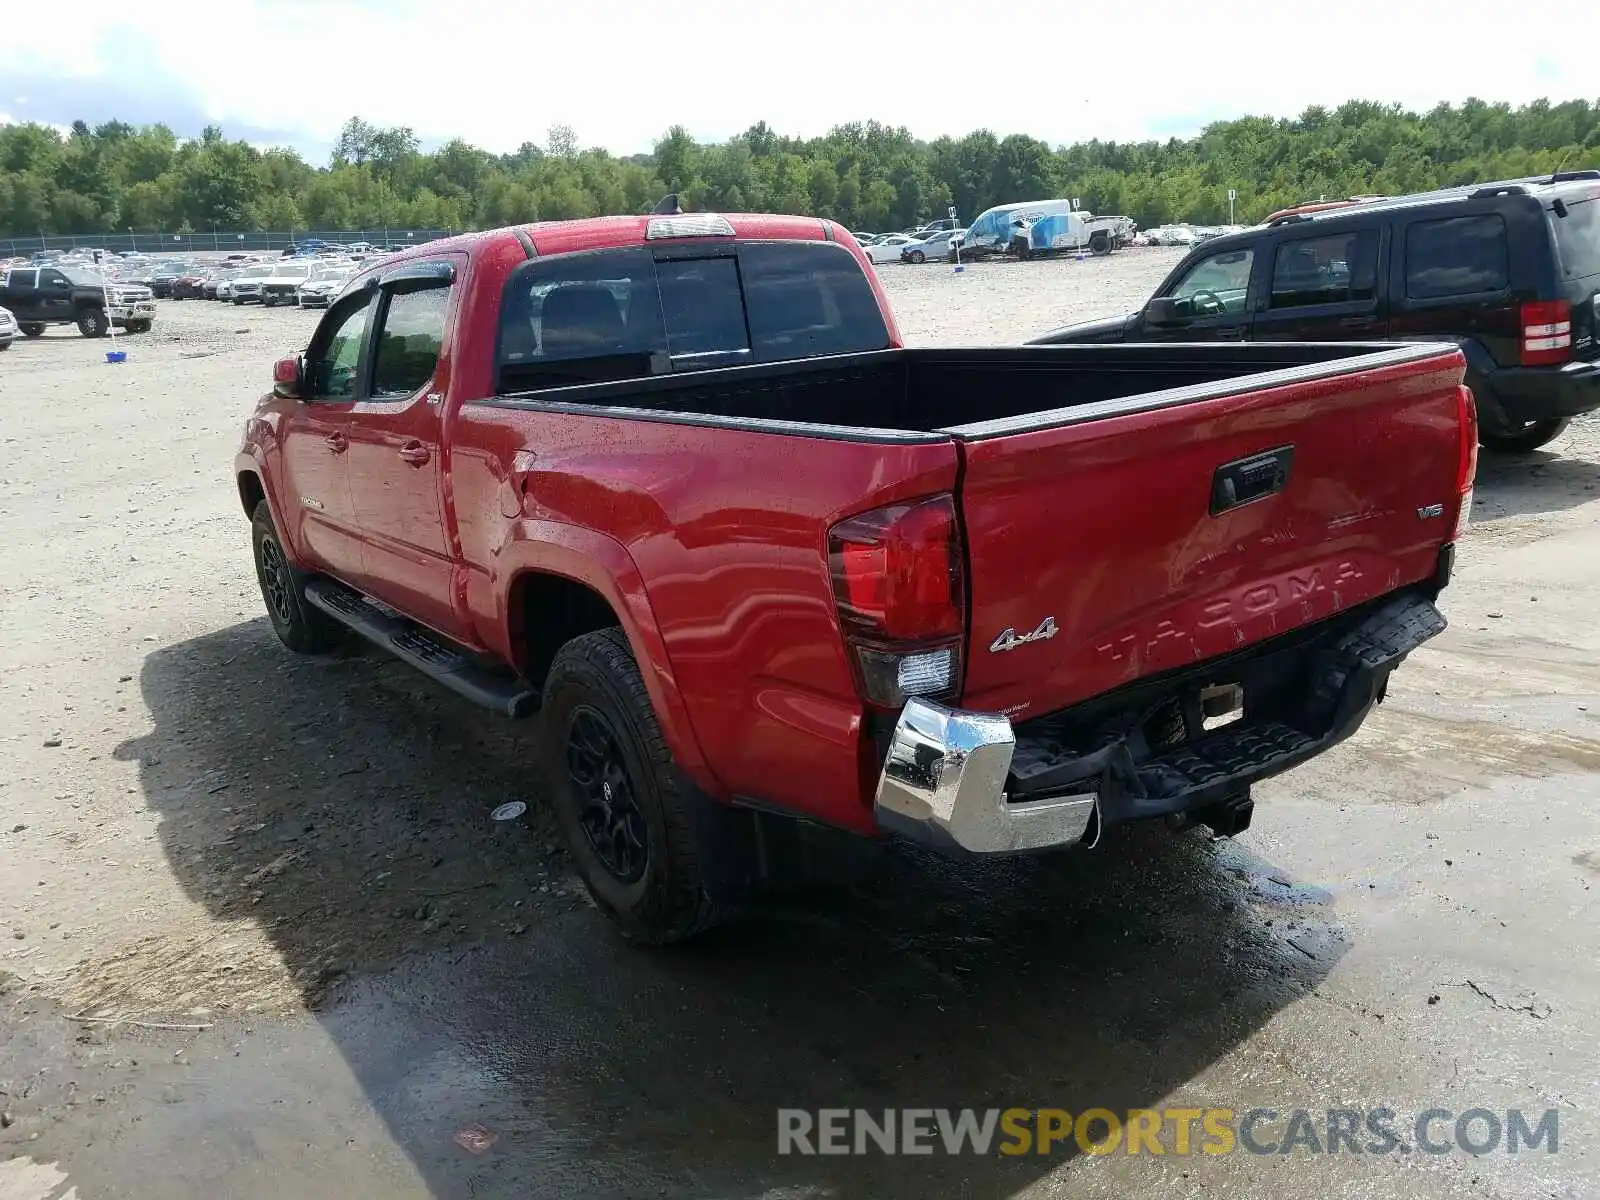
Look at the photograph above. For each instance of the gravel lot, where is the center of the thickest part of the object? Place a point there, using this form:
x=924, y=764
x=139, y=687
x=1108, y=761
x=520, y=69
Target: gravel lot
x=293, y=856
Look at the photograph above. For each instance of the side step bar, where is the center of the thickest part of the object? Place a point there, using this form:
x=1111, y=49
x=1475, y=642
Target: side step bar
x=414, y=645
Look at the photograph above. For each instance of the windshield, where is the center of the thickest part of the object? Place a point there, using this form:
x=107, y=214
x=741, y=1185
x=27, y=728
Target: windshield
x=83, y=277
x=292, y=270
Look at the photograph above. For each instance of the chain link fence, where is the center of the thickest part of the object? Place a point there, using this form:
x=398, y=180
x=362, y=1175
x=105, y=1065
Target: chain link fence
x=213, y=240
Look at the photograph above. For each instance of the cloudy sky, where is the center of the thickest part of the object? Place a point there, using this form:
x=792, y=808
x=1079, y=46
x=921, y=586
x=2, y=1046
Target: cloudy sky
x=620, y=71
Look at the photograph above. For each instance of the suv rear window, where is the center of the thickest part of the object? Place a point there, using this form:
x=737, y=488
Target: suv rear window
x=1578, y=237
x=620, y=314
x=1457, y=256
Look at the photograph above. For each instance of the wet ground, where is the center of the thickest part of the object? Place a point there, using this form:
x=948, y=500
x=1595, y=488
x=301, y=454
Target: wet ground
x=260, y=938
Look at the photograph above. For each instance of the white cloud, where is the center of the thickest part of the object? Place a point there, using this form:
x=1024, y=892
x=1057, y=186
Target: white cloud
x=620, y=71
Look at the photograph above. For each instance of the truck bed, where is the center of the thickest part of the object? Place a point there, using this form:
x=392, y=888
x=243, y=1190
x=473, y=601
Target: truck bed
x=969, y=393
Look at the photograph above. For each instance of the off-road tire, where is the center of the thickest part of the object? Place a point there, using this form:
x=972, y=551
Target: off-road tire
x=93, y=323
x=1530, y=437
x=685, y=887
x=299, y=625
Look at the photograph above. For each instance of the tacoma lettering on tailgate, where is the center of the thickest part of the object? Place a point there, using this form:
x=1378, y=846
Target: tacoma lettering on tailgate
x=1158, y=643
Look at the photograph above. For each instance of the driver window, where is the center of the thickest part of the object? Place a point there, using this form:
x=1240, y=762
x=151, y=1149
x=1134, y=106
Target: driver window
x=1217, y=284
x=333, y=362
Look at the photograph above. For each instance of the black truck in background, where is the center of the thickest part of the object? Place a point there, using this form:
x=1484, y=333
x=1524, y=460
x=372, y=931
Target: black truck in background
x=1508, y=271
x=71, y=295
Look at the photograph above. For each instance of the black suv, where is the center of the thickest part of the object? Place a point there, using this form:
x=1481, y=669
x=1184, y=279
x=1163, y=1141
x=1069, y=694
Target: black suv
x=1509, y=271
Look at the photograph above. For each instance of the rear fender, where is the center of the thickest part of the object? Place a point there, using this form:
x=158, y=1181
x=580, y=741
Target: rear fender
x=604, y=566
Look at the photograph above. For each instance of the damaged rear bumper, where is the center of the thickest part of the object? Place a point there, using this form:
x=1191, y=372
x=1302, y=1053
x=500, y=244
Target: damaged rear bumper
x=972, y=782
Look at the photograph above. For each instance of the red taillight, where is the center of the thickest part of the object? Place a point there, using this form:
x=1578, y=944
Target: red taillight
x=1467, y=460
x=1546, y=332
x=897, y=580
x=897, y=570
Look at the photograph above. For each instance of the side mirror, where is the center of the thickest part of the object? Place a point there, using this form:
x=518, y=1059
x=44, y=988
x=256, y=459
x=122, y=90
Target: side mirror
x=1162, y=310
x=288, y=377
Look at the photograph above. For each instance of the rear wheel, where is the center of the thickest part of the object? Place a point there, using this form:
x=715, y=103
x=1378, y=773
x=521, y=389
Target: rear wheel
x=33, y=329
x=1531, y=436
x=648, y=845
x=299, y=626
x=93, y=323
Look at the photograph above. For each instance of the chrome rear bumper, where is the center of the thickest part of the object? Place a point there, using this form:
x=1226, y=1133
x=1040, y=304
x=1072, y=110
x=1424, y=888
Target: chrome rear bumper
x=944, y=782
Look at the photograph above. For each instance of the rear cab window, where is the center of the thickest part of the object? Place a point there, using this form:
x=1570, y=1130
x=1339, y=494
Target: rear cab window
x=1457, y=256
x=633, y=312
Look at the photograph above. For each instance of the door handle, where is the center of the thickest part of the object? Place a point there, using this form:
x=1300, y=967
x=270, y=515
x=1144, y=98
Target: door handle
x=337, y=442
x=414, y=453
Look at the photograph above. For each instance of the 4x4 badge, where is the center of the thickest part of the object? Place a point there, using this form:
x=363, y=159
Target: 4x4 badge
x=1011, y=639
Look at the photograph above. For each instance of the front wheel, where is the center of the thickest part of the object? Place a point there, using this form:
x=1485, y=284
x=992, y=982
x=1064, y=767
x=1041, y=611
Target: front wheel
x=32, y=329
x=93, y=323
x=299, y=626
x=138, y=326
x=637, y=830
x=917, y=256
x=1530, y=436
x=1099, y=245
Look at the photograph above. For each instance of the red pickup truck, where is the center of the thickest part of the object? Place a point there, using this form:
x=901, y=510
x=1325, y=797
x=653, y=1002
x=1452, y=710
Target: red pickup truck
x=673, y=483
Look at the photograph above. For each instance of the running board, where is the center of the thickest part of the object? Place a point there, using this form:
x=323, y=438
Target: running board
x=412, y=644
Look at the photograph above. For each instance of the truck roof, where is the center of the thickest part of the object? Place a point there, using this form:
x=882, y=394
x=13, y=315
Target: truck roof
x=594, y=233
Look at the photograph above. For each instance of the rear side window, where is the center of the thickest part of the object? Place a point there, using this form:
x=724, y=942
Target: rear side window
x=807, y=300
x=1341, y=268
x=1457, y=256
x=620, y=314
x=1578, y=239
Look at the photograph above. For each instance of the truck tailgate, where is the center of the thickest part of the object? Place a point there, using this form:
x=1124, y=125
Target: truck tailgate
x=1113, y=541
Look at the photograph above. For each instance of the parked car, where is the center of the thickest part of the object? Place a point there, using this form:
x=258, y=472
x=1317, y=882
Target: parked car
x=887, y=248
x=224, y=285
x=323, y=284
x=189, y=285
x=935, y=246
x=993, y=230
x=8, y=329
x=1508, y=271
x=164, y=274
x=759, y=569
x=285, y=281
x=1171, y=235
x=1046, y=234
x=72, y=295
x=249, y=286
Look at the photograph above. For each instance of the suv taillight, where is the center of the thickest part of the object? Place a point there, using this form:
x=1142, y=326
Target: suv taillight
x=1546, y=332
x=897, y=581
x=1467, y=461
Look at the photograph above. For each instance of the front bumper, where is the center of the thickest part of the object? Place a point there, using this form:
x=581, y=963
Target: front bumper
x=968, y=782
x=144, y=310
x=1547, y=393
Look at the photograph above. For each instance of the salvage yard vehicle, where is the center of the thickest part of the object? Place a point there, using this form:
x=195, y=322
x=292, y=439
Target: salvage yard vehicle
x=673, y=484
x=323, y=284
x=285, y=281
x=1070, y=232
x=8, y=329
x=1508, y=271
x=73, y=295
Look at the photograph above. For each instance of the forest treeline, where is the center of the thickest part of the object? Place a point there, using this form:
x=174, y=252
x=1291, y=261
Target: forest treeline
x=115, y=177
